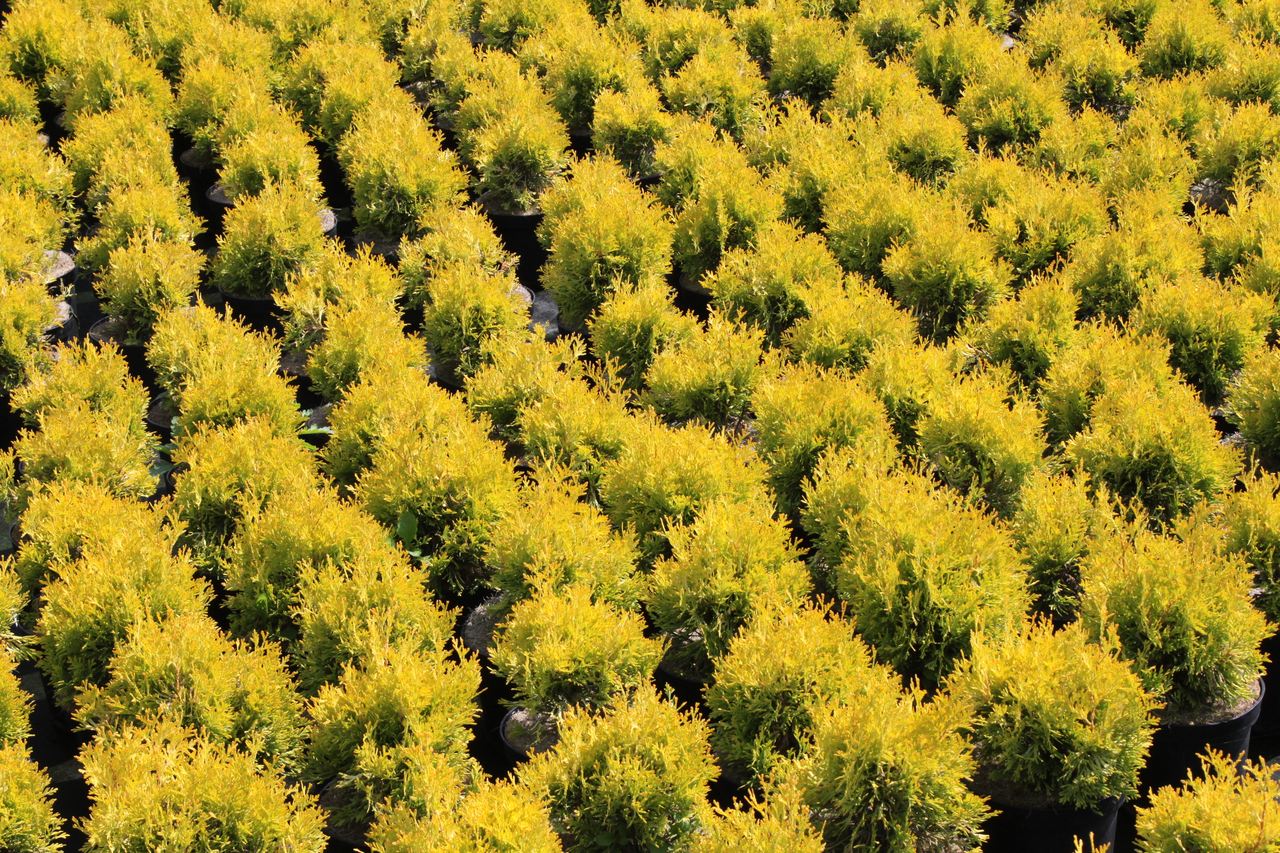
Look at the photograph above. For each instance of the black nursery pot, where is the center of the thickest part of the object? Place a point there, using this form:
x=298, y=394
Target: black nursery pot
x=1176, y=749
x=1264, y=741
x=257, y=312
x=519, y=233
x=1051, y=829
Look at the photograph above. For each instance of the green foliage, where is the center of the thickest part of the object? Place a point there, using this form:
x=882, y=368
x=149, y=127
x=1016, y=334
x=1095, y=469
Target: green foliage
x=947, y=274
x=442, y=492
x=1182, y=612
x=107, y=73
x=576, y=63
x=398, y=171
x=635, y=777
x=1026, y=334
x=575, y=427
x=554, y=540
x=366, y=726
x=629, y=125
x=889, y=772
x=950, y=58
x=1226, y=808
x=888, y=29
x=1182, y=38
x=807, y=55
x=1211, y=329
x=560, y=649
x=89, y=608
x=348, y=611
x=1010, y=106
x=1039, y=226
x=1250, y=522
x=15, y=705
x=126, y=144
x=780, y=822
x=732, y=561
x=468, y=309
x=906, y=377
x=359, y=336
x=1253, y=404
x=1096, y=69
x=523, y=370
x=633, y=325
x=663, y=476
x=601, y=232
x=1056, y=716
x=331, y=79
x=844, y=325
x=167, y=789
x=1156, y=449
x=923, y=140
x=28, y=821
x=707, y=377
x=770, y=284
x=145, y=279
x=89, y=376
x=1238, y=144
x=803, y=413
x=265, y=239
x=184, y=669
x=779, y=671
x=870, y=215
x=450, y=236
x=31, y=226
x=923, y=572
x=980, y=441
x=721, y=85
x=150, y=208
x=29, y=166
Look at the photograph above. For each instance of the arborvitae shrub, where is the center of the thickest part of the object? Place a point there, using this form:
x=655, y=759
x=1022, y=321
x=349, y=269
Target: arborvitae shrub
x=1099, y=358
x=981, y=440
x=349, y=610
x=576, y=427
x=330, y=79
x=1009, y=106
x=144, y=279
x=601, y=231
x=844, y=324
x=923, y=572
x=947, y=274
x=803, y=413
x=522, y=370
x=366, y=725
x=1157, y=450
x=15, y=705
x=17, y=101
x=662, y=476
x=1247, y=74
x=951, y=57
x=274, y=152
x=334, y=281
x=599, y=60
x=813, y=158
x=629, y=125
x=1056, y=716
x=1211, y=329
x=871, y=214
x=1111, y=271
x=1253, y=405
x=888, y=30
x=442, y=493
x=1249, y=519
x=721, y=85
x=694, y=151
x=265, y=239
x=1025, y=334
x=275, y=542
x=1183, y=614
x=708, y=377
x=161, y=787
x=1039, y=226
x=906, y=377
x=1239, y=142
x=561, y=648
x=396, y=167
x=779, y=670
x=1226, y=807
x=1188, y=37
x=729, y=208
x=26, y=312
x=1082, y=146
x=779, y=821
x=84, y=374
x=359, y=337
x=29, y=166
x=184, y=669
x=983, y=181
x=188, y=340
x=228, y=471
x=1054, y=528
x=32, y=226
x=89, y=608
x=381, y=403
x=107, y=73
x=807, y=56
x=890, y=771
x=150, y=208
x=450, y=236
x=73, y=442
x=555, y=540
x=923, y=140
x=732, y=561
x=515, y=141
x=1146, y=161
x=633, y=325
x=1095, y=67
x=467, y=309
x=506, y=25
x=863, y=86
x=637, y=776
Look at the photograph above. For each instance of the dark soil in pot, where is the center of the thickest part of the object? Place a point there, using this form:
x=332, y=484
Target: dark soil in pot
x=525, y=733
x=1049, y=828
x=66, y=327
x=160, y=415
x=111, y=330
x=1176, y=747
x=59, y=268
